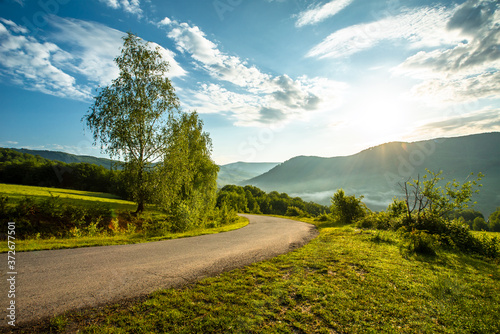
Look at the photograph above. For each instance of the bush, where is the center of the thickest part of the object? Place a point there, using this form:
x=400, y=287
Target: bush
x=182, y=218
x=347, y=208
x=479, y=224
x=293, y=211
x=418, y=242
x=490, y=247
x=494, y=221
x=323, y=217
x=53, y=217
x=378, y=220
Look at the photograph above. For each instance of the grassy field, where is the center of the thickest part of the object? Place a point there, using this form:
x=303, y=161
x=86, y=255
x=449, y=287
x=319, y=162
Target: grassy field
x=344, y=281
x=85, y=198
x=88, y=199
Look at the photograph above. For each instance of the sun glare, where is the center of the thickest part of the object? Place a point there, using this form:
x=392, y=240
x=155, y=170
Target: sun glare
x=380, y=115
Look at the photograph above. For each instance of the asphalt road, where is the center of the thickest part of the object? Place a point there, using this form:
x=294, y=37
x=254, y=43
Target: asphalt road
x=49, y=283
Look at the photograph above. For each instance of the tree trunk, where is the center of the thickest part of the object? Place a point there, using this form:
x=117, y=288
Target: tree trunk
x=140, y=207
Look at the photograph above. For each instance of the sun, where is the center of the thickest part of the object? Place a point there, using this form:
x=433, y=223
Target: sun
x=380, y=115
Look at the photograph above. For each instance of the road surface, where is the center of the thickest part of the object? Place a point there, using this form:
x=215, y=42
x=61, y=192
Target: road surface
x=49, y=283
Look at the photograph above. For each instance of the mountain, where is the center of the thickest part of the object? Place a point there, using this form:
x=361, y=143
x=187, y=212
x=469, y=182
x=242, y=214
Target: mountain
x=237, y=172
x=377, y=172
x=233, y=173
x=69, y=158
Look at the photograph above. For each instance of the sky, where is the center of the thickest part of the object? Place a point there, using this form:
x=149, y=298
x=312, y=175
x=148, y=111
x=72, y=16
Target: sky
x=271, y=79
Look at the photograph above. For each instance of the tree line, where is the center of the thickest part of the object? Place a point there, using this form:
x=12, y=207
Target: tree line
x=250, y=199
x=31, y=170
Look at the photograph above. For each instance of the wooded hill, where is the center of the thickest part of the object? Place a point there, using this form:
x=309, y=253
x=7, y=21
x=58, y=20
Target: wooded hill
x=376, y=172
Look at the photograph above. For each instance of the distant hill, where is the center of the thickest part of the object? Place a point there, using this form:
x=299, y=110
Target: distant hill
x=69, y=158
x=233, y=173
x=376, y=172
x=237, y=172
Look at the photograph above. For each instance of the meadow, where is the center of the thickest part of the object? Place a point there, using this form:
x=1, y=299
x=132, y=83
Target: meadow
x=127, y=228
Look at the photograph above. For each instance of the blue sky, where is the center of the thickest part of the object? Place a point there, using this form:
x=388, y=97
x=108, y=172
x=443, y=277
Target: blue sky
x=271, y=79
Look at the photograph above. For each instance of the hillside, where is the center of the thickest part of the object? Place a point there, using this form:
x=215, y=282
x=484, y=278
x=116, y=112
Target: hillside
x=237, y=172
x=376, y=172
x=69, y=158
x=233, y=173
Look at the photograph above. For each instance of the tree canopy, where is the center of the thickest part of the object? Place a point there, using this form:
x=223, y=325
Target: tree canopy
x=138, y=119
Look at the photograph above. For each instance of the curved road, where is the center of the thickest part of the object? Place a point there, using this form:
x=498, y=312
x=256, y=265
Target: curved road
x=51, y=282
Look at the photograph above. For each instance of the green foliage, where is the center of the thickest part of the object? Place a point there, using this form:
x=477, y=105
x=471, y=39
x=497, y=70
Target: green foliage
x=347, y=208
x=418, y=242
x=225, y=215
x=250, y=199
x=187, y=175
x=494, y=221
x=128, y=117
x=469, y=215
x=53, y=217
x=26, y=169
x=479, y=224
x=426, y=196
x=293, y=211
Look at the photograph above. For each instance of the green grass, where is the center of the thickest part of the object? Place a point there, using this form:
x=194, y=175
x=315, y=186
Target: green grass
x=344, y=281
x=34, y=244
x=85, y=198
x=88, y=199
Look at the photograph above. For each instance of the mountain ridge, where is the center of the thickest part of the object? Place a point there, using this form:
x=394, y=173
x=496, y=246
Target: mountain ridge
x=376, y=171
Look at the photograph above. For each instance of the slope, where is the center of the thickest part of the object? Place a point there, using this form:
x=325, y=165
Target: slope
x=377, y=172
x=237, y=172
x=69, y=158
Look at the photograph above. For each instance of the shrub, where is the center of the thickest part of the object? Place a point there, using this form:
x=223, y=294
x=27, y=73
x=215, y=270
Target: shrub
x=347, y=208
x=182, y=218
x=4, y=210
x=418, y=242
x=490, y=247
x=293, y=211
x=225, y=215
x=53, y=217
x=479, y=224
x=323, y=217
x=494, y=221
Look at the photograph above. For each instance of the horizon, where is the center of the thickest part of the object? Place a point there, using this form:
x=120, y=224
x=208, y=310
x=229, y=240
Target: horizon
x=271, y=79
x=280, y=162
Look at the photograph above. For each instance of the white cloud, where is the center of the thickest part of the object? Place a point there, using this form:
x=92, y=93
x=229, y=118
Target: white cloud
x=466, y=71
x=95, y=46
x=165, y=22
x=192, y=40
x=14, y=27
x=261, y=98
x=31, y=62
x=77, y=47
x=129, y=6
x=318, y=13
x=421, y=27
x=480, y=121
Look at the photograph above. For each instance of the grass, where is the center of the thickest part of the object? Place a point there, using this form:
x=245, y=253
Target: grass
x=89, y=199
x=344, y=281
x=85, y=198
x=34, y=244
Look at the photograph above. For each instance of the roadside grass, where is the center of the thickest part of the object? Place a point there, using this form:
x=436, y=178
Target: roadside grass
x=34, y=244
x=344, y=281
x=120, y=207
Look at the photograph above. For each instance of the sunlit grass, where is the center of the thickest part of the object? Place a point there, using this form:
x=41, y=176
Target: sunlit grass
x=77, y=197
x=34, y=244
x=88, y=199
x=344, y=281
